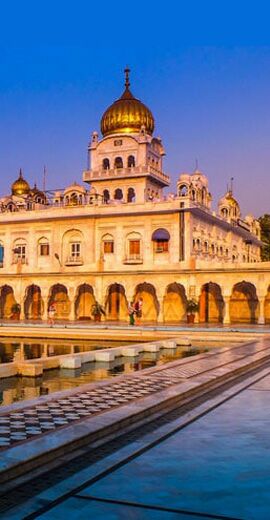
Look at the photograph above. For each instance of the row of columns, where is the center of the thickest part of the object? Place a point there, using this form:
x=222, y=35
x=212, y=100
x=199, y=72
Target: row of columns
x=129, y=292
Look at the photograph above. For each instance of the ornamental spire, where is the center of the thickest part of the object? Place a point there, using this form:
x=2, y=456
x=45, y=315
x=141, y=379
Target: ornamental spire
x=127, y=82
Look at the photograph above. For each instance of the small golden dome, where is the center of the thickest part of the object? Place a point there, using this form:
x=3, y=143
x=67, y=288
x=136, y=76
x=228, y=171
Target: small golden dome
x=127, y=114
x=231, y=200
x=20, y=186
x=35, y=192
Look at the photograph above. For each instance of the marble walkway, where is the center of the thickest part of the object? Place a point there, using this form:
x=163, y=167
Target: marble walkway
x=22, y=422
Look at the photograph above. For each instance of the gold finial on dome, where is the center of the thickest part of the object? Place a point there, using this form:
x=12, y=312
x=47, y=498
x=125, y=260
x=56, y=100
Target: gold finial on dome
x=127, y=82
x=127, y=114
x=20, y=186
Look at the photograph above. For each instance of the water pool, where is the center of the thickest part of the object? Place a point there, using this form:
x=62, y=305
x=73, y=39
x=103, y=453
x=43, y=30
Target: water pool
x=14, y=389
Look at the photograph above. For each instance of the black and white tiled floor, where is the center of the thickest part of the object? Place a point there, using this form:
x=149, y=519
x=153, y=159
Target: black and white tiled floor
x=41, y=419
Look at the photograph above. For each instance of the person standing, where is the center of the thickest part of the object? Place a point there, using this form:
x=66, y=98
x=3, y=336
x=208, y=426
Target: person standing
x=131, y=313
x=138, y=310
x=51, y=314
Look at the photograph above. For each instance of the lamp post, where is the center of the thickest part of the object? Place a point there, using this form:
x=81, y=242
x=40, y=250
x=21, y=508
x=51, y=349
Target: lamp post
x=58, y=258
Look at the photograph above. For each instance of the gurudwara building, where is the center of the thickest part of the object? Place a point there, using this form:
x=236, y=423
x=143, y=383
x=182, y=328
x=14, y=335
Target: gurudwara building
x=124, y=235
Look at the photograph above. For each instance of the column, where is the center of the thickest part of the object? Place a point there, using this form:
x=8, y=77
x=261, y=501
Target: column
x=18, y=292
x=45, y=299
x=160, y=317
x=226, y=314
x=72, y=296
x=160, y=291
x=261, y=318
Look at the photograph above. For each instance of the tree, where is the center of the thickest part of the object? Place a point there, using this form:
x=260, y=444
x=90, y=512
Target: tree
x=265, y=236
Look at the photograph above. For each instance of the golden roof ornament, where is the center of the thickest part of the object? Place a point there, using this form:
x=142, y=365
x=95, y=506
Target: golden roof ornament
x=20, y=186
x=127, y=114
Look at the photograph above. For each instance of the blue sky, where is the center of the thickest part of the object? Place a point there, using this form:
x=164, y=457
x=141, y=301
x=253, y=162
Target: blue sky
x=202, y=67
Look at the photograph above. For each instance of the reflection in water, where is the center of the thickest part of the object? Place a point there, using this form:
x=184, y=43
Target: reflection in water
x=23, y=388
x=21, y=350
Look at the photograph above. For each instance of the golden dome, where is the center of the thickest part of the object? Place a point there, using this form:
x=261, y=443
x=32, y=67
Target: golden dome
x=127, y=115
x=231, y=200
x=20, y=186
x=35, y=192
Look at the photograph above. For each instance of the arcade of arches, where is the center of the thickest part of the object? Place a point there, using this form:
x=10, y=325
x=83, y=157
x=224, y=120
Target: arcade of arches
x=242, y=305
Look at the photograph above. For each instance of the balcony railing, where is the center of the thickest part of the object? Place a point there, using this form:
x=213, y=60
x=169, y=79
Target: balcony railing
x=133, y=259
x=19, y=260
x=74, y=260
x=135, y=171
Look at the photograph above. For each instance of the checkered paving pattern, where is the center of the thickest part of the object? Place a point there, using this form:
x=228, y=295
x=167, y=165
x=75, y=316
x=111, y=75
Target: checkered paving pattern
x=33, y=421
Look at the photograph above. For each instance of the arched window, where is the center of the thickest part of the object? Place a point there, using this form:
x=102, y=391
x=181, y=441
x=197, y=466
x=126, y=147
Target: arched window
x=118, y=194
x=118, y=162
x=183, y=190
x=193, y=194
x=131, y=161
x=221, y=250
x=106, y=164
x=72, y=247
x=224, y=212
x=20, y=251
x=107, y=244
x=205, y=247
x=67, y=201
x=213, y=249
x=106, y=196
x=43, y=247
x=198, y=244
x=161, y=238
x=131, y=195
x=73, y=199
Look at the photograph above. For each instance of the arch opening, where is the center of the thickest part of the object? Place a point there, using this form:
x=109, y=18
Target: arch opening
x=7, y=300
x=150, y=307
x=33, y=303
x=118, y=194
x=211, y=304
x=116, y=302
x=84, y=300
x=131, y=195
x=131, y=161
x=106, y=164
x=174, y=303
x=244, y=304
x=118, y=162
x=59, y=296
